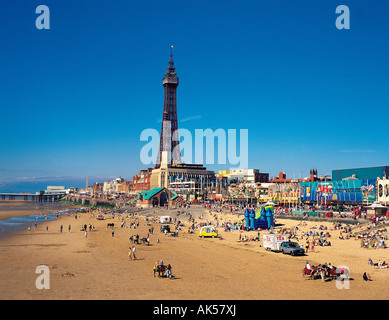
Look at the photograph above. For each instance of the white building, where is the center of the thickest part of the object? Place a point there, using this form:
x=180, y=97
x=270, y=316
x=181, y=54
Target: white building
x=56, y=190
x=382, y=191
x=112, y=186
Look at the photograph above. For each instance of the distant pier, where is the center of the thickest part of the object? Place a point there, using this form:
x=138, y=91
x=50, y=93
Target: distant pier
x=31, y=197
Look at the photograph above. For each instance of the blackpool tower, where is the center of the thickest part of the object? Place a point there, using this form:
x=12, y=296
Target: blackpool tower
x=169, y=145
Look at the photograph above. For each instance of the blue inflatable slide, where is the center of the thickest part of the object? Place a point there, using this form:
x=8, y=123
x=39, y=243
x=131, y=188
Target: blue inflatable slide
x=262, y=219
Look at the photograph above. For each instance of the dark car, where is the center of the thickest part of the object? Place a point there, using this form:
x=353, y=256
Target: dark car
x=165, y=227
x=291, y=248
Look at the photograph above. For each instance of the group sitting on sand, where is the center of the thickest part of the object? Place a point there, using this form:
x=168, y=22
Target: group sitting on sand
x=380, y=264
x=246, y=239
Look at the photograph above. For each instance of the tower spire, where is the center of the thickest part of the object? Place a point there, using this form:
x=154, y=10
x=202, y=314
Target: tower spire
x=169, y=138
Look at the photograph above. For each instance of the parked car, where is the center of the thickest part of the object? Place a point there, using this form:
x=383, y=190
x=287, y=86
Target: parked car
x=292, y=248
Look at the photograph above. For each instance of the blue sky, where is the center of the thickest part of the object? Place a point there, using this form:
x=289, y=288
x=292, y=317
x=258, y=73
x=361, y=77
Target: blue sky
x=74, y=99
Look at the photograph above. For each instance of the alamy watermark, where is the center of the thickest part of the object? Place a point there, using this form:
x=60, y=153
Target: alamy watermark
x=43, y=20
x=343, y=280
x=43, y=280
x=203, y=141
x=343, y=20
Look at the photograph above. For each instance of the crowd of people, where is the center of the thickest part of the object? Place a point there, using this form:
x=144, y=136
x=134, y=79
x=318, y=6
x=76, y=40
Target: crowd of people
x=318, y=235
x=375, y=239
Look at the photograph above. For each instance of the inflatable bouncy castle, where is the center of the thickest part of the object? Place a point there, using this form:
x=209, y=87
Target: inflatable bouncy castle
x=262, y=219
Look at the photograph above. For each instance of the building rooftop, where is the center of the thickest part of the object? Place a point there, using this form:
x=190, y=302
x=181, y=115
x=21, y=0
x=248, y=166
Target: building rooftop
x=147, y=195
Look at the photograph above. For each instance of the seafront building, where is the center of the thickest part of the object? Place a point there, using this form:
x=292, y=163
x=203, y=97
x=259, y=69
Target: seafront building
x=190, y=181
x=56, y=190
x=348, y=186
x=382, y=190
x=358, y=186
x=244, y=175
x=158, y=197
x=141, y=181
x=367, y=173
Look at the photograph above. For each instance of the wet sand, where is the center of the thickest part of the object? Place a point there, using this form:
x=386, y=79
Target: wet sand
x=98, y=267
x=20, y=208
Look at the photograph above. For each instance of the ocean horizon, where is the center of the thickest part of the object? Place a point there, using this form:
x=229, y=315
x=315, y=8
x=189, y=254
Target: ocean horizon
x=32, y=185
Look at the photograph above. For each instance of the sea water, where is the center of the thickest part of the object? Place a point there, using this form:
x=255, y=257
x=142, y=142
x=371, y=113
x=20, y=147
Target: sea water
x=21, y=223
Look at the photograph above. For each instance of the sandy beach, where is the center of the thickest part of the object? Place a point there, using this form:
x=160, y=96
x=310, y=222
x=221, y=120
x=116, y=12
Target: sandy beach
x=98, y=266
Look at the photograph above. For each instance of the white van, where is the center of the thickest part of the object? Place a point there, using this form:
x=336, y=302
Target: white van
x=273, y=241
x=165, y=219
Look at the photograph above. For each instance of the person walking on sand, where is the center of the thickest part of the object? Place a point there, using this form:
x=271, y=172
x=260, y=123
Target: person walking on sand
x=86, y=234
x=130, y=253
x=169, y=271
x=113, y=233
x=134, y=252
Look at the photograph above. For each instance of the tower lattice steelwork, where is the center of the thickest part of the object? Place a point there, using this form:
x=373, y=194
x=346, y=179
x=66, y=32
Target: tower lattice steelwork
x=169, y=139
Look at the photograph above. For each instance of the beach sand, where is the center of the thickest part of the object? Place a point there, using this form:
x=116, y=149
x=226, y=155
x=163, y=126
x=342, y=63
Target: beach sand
x=98, y=267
